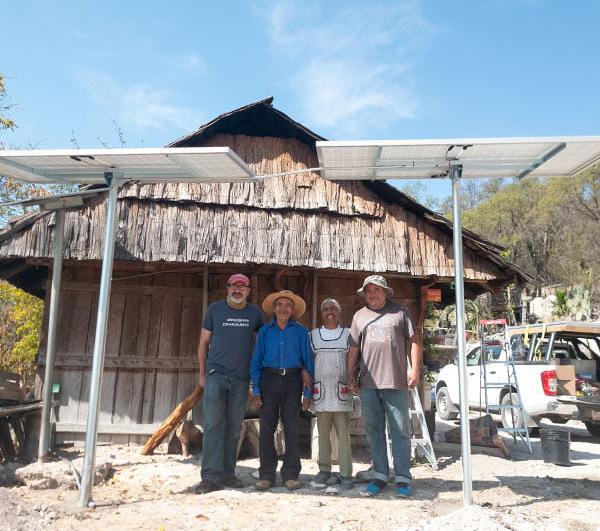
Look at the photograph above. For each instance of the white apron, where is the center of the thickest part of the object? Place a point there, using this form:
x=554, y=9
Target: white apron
x=330, y=389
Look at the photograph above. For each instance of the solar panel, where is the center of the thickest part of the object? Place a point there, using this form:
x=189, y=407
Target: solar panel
x=480, y=157
x=79, y=166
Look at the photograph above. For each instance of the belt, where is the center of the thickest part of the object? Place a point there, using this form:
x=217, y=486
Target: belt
x=282, y=371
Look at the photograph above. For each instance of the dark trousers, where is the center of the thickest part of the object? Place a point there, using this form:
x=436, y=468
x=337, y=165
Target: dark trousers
x=280, y=399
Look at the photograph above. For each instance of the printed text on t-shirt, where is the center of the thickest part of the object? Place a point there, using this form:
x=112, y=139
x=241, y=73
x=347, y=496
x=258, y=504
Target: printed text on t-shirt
x=239, y=321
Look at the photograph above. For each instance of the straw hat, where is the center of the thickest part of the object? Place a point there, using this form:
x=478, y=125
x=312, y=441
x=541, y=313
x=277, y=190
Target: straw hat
x=299, y=304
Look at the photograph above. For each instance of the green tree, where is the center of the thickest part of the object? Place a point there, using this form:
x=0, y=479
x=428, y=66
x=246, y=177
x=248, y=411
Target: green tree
x=20, y=323
x=550, y=226
x=20, y=313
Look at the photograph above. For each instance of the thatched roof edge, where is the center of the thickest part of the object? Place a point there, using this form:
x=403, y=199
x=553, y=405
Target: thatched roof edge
x=491, y=250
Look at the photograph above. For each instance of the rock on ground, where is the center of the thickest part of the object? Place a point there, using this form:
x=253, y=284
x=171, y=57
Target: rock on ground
x=56, y=474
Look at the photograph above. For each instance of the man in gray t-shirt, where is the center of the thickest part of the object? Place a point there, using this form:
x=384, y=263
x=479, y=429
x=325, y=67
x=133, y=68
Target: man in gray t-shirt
x=224, y=355
x=383, y=334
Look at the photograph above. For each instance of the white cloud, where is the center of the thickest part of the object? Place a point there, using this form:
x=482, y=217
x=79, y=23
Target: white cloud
x=352, y=65
x=144, y=107
x=338, y=92
x=189, y=63
x=139, y=106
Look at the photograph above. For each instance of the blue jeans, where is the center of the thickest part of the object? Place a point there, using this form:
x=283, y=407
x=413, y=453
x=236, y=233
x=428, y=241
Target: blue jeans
x=377, y=406
x=224, y=408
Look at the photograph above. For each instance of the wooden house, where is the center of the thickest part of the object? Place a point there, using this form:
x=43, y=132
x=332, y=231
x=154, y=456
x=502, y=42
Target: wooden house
x=176, y=245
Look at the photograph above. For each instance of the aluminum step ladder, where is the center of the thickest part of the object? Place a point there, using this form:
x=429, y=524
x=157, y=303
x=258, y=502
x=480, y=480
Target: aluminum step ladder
x=519, y=418
x=420, y=441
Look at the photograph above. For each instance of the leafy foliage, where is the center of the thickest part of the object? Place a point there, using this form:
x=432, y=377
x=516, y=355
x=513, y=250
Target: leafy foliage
x=20, y=313
x=551, y=227
x=560, y=305
x=20, y=324
x=475, y=310
x=5, y=122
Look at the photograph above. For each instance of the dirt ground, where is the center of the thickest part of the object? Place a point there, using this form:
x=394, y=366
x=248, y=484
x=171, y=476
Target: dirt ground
x=156, y=492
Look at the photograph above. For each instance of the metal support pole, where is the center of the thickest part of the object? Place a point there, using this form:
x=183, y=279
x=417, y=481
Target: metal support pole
x=59, y=238
x=91, y=436
x=456, y=173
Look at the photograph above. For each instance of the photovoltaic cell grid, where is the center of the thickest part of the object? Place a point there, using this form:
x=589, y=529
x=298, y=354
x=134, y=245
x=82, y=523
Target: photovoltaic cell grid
x=142, y=164
x=488, y=157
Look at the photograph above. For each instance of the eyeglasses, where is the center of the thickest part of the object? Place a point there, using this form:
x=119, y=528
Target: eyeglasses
x=237, y=286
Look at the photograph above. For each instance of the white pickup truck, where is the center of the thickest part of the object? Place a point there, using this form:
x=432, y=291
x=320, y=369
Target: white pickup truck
x=536, y=349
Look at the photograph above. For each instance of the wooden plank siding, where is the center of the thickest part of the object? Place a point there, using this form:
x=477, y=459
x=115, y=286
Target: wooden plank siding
x=153, y=330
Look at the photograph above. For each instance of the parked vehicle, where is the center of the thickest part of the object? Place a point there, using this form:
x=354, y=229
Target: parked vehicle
x=536, y=350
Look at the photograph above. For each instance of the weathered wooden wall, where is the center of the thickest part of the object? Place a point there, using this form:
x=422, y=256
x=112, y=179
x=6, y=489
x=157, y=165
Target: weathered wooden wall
x=153, y=330
x=150, y=351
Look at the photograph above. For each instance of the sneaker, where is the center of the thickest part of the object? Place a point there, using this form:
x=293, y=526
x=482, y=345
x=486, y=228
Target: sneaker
x=320, y=480
x=373, y=488
x=263, y=485
x=347, y=483
x=206, y=486
x=334, y=479
x=403, y=490
x=364, y=476
x=292, y=484
x=233, y=483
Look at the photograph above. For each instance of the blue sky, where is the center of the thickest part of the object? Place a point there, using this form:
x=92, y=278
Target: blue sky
x=346, y=69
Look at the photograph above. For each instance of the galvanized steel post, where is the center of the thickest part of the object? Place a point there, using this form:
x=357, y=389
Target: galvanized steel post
x=59, y=238
x=456, y=174
x=87, y=474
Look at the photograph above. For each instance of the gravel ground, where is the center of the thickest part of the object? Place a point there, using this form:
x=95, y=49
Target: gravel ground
x=156, y=492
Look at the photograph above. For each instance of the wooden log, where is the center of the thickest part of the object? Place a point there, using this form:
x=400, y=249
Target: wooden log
x=17, y=426
x=7, y=447
x=173, y=420
x=483, y=432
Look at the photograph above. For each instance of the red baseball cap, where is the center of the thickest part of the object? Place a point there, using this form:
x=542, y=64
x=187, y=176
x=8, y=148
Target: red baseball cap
x=238, y=278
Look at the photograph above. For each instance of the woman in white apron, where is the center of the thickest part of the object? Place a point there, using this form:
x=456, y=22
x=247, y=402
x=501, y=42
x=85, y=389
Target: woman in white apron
x=332, y=399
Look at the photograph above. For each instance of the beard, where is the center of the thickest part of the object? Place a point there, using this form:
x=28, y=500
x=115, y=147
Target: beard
x=236, y=300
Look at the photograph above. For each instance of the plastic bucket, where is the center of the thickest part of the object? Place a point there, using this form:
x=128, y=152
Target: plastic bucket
x=556, y=446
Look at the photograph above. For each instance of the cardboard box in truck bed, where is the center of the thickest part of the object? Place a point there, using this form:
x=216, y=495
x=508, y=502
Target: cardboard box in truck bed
x=565, y=380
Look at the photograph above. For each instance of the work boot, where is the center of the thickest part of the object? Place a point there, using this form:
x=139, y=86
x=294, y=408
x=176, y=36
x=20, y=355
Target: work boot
x=292, y=484
x=206, y=486
x=234, y=483
x=263, y=485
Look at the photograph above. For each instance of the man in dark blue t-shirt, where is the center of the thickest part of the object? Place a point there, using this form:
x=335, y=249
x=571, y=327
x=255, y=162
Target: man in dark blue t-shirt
x=224, y=354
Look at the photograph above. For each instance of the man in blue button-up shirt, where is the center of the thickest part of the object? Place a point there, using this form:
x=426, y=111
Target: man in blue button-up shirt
x=282, y=364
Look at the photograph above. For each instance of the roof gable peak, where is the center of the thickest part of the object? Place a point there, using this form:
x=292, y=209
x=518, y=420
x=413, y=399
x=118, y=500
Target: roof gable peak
x=255, y=119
